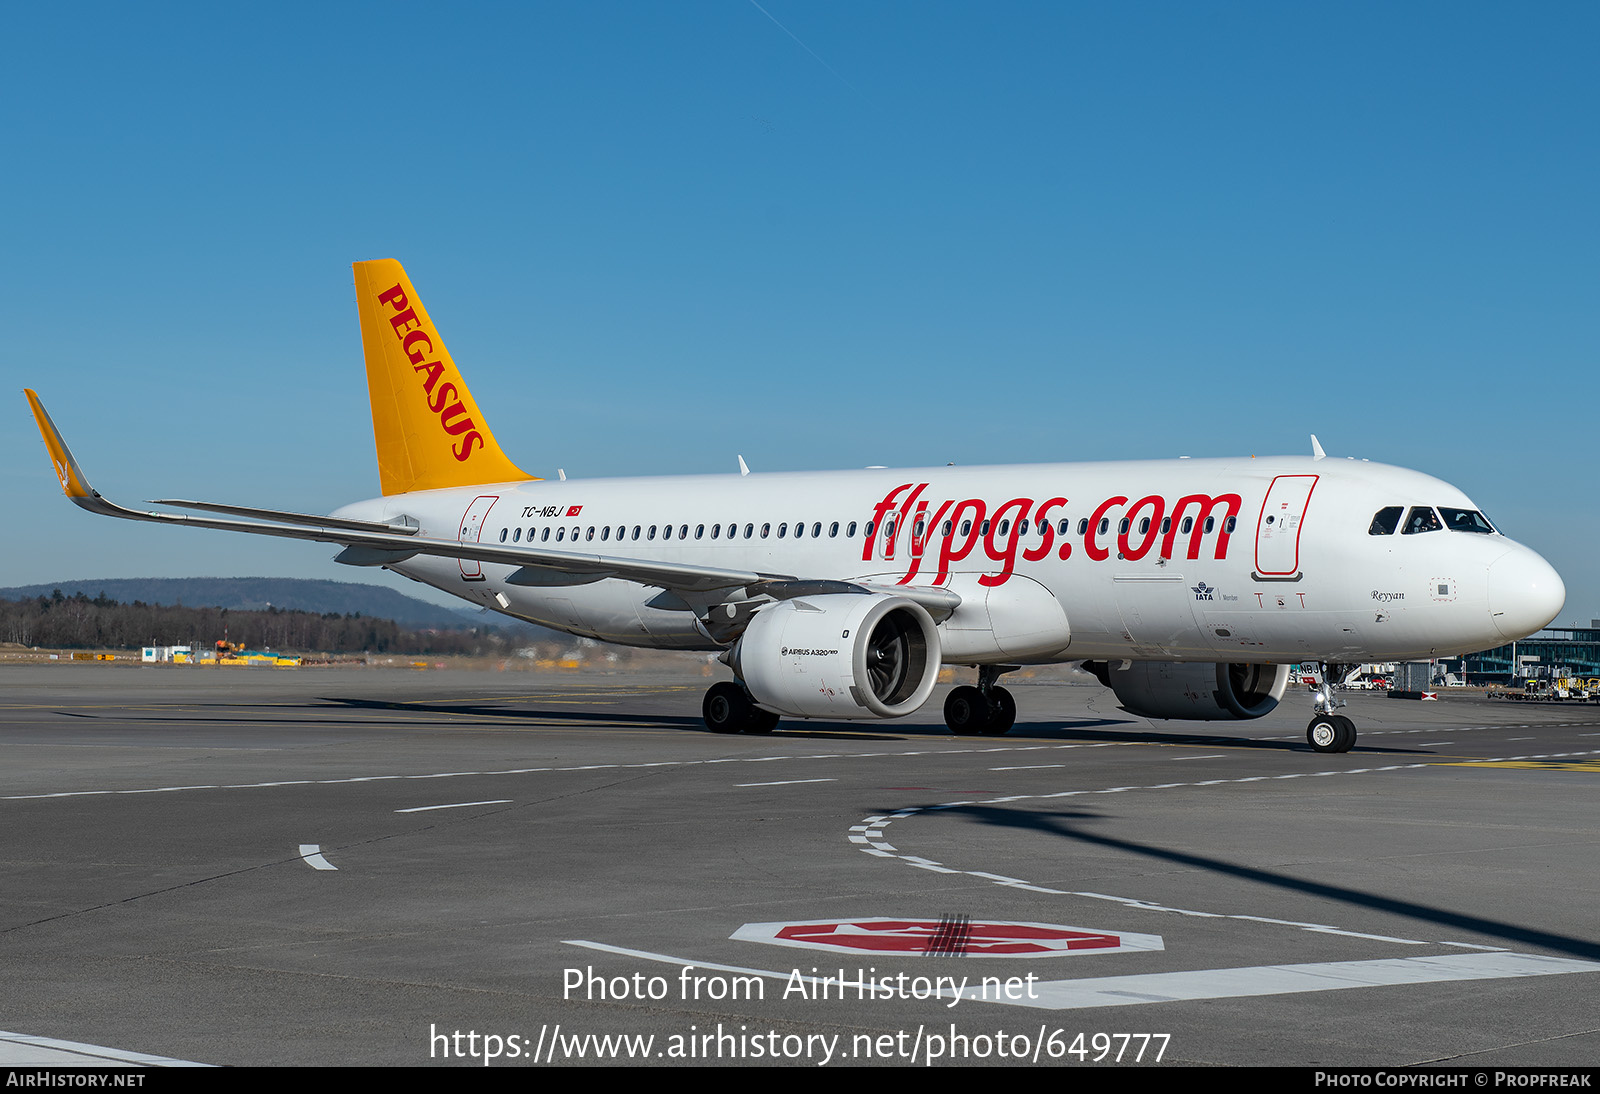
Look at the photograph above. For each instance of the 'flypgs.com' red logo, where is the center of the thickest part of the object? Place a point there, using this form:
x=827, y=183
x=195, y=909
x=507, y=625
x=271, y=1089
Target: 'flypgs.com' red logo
x=961, y=526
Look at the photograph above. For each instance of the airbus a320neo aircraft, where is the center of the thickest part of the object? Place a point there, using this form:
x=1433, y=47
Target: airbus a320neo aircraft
x=1186, y=586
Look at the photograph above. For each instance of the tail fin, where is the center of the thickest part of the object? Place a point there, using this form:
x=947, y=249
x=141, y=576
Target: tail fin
x=429, y=430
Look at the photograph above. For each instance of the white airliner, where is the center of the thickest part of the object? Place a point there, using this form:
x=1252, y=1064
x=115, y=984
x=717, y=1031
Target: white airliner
x=1186, y=586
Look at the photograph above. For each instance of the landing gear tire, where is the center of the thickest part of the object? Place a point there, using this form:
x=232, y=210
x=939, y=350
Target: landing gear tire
x=1002, y=713
x=968, y=711
x=1331, y=733
x=762, y=721
x=727, y=708
x=1347, y=730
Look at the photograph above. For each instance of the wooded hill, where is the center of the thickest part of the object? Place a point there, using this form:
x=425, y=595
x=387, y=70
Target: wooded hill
x=81, y=622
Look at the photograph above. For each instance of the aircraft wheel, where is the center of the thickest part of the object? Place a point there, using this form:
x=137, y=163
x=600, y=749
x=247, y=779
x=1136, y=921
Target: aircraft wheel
x=966, y=710
x=761, y=721
x=1347, y=733
x=727, y=709
x=1323, y=733
x=1002, y=713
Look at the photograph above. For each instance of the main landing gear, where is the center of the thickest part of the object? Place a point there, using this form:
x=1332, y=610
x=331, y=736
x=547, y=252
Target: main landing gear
x=728, y=708
x=987, y=709
x=1330, y=732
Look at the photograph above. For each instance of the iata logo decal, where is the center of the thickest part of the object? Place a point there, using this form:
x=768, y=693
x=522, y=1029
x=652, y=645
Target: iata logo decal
x=1149, y=523
x=418, y=344
x=1203, y=591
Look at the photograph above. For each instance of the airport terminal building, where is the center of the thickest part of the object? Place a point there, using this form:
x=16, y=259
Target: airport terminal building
x=1553, y=652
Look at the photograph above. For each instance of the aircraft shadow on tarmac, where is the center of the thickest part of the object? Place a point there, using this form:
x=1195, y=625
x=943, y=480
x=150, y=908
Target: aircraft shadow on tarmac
x=1069, y=825
x=1074, y=729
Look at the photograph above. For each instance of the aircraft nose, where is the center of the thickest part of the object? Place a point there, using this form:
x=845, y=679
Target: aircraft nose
x=1525, y=593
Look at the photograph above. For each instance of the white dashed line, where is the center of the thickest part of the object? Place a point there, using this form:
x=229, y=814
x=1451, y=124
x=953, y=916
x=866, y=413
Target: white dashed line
x=559, y=770
x=789, y=782
x=312, y=853
x=453, y=805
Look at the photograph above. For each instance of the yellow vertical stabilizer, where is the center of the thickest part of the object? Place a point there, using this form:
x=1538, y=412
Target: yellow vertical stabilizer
x=430, y=432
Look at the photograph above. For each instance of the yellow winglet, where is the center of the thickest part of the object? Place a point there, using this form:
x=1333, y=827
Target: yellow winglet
x=429, y=431
x=73, y=484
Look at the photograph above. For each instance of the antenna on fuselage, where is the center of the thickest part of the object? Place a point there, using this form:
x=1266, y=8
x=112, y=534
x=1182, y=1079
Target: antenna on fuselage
x=1316, y=448
x=744, y=468
x=561, y=473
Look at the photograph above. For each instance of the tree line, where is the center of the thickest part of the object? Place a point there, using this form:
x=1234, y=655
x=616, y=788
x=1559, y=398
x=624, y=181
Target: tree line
x=78, y=622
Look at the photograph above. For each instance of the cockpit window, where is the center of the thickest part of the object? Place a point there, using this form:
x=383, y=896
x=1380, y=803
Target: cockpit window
x=1385, y=521
x=1466, y=520
x=1422, y=519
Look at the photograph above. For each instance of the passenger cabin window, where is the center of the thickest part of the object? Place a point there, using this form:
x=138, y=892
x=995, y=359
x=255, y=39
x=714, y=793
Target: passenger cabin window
x=783, y=529
x=816, y=529
x=1466, y=520
x=1421, y=519
x=749, y=531
x=1385, y=521
x=850, y=532
x=833, y=529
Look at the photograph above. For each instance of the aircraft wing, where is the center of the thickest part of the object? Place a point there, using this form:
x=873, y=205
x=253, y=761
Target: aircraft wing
x=374, y=543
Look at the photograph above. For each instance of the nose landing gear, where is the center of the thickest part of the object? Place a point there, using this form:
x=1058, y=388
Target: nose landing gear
x=987, y=709
x=1330, y=732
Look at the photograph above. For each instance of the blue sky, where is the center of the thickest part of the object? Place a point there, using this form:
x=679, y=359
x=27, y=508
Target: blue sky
x=657, y=235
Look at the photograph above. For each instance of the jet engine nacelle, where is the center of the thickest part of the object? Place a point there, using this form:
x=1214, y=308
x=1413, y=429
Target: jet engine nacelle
x=1194, y=690
x=840, y=655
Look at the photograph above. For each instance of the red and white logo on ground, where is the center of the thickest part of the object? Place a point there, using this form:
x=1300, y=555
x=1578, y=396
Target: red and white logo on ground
x=950, y=936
